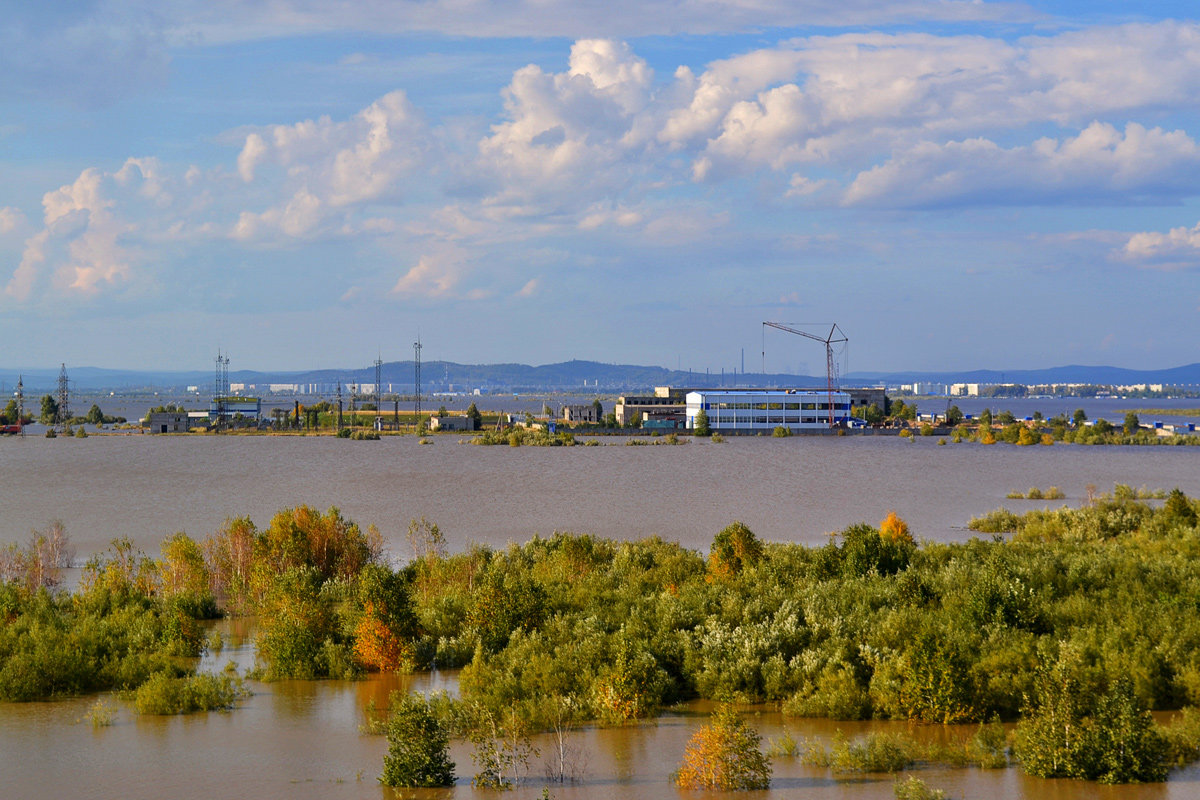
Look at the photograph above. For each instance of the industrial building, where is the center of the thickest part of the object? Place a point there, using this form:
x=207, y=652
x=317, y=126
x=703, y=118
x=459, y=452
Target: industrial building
x=224, y=409
x=665, y=404
x=451, y=423
x=668, y=408
x=585, y=412
x=763, y=410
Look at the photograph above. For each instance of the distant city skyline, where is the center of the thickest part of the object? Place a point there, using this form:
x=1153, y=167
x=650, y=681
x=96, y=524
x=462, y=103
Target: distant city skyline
x=958, y=185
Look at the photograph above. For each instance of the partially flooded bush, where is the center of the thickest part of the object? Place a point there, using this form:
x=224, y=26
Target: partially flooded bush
x=167, y=694
x=724, y=754
x=915, y=789
x=875, y=752
x=418, y=754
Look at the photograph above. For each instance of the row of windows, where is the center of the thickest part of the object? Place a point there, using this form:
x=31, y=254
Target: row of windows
x=756, y=419
x=775, y=406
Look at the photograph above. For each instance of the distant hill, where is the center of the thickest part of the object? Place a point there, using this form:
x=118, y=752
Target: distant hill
x=570, y=376
x=1074, y=373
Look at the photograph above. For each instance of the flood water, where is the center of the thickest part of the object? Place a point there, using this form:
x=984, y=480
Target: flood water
x=301, y=739
x=794, y=489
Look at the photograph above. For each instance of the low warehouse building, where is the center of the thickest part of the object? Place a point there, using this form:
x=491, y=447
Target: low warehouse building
x=452, y=423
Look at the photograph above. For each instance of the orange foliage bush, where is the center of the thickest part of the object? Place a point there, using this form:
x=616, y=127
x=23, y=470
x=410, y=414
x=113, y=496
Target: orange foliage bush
x=377, y=647
x=894, y=529
x=724, y=754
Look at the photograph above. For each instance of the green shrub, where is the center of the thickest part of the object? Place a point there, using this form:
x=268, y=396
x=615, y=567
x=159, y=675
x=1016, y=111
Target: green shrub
x=988, y=747
x=101, y=714
x=999, y=521
x=1069, y=732
x=915, y=789
x=418, y=753
x=1183, y=738
x=876, y=752
x=167, y=694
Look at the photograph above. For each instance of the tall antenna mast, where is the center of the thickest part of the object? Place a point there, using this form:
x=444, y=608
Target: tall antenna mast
x=417, y=375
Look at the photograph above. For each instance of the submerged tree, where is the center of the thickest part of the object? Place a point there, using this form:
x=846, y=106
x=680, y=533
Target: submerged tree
x=418, y=753
x=724, y=754
x=1069, y=732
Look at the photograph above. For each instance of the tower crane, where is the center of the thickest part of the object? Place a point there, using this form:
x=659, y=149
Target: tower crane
x=836, y=336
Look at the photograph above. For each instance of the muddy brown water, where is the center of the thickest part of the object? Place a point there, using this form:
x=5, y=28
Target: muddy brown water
x=301, y=739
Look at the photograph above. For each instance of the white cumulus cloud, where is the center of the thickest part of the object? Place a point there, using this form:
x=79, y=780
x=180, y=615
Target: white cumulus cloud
x=324, y=168
x=1177, y=248
x=842, y=100
x=1100, y=164
x=573, y=133
x=432, y=276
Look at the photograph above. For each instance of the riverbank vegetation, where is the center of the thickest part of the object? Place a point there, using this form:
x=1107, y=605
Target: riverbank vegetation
x=131, y=619
x=571, y=629
x=1034, y=493
x=1004, y=427
x=528, y=437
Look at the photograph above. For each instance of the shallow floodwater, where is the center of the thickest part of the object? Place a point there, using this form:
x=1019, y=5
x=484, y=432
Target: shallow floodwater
x=301, y=739
x=794, y=489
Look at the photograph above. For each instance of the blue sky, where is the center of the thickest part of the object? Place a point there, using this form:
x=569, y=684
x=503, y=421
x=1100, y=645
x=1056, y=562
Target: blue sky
x=307, y=183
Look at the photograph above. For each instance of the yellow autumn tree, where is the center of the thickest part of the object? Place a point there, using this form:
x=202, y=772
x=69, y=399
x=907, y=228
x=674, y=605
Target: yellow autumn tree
x=894, y=529
x=733, y=549
x=724, y=754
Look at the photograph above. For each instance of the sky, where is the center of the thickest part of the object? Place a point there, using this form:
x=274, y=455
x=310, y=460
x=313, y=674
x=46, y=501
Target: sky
x=956, y=184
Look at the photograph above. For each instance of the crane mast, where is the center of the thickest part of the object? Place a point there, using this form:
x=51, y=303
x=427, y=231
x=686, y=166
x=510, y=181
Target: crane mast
x=836, y=336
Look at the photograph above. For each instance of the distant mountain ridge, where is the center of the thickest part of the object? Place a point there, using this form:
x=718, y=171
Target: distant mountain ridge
x=578, y=376
x=1073, y=373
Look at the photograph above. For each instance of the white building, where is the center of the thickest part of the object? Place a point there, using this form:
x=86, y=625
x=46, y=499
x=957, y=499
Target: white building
x=763, y=410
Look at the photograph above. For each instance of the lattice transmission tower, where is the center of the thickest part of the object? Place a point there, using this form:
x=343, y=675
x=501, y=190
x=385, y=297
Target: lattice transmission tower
x=63, y=416
x=221, y=384
x=21, y=403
